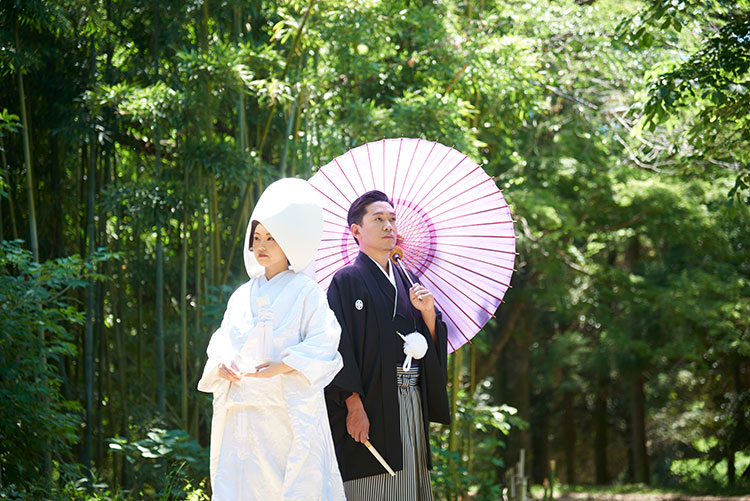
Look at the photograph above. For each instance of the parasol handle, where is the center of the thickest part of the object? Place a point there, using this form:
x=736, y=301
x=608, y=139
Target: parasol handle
x=396, y=254
x=380, y=459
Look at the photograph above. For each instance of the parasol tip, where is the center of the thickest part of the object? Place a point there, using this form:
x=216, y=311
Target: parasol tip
x=397, y=254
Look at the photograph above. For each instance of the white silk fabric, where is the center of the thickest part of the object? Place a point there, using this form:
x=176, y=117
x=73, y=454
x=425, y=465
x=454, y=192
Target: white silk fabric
x=270, y=438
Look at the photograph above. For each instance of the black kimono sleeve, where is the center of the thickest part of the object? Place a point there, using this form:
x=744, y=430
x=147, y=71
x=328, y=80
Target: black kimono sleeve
x=349, y=379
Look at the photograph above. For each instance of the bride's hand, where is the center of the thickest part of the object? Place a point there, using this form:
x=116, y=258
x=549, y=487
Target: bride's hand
x=270, y=369
x=229, y=373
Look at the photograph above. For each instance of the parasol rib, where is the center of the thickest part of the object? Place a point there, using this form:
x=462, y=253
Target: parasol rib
x=333, y=214
x=463, y=246
x=344, y=176
x=369, y=159
x=473, y=225
x=408, y=194
x=480, y=236
x=445, y=311
x=395, y=169
x=329, y=198
x=383, y=169
x=408, y=169
x=437, y=166
x=337, y=188
x=468, y=297
x=419, y=204
x=469, y=270
x=333, y=272
x=463, y=204
x=449, y=185
x=458, y=216
x=437, y=265
x=356, y=168
x=478, y=260
x=456, y=196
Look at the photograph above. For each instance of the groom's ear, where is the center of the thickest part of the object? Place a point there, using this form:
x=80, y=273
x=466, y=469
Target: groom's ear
x=354, y=229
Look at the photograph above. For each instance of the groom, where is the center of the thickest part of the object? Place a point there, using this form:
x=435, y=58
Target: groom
x=373, y=398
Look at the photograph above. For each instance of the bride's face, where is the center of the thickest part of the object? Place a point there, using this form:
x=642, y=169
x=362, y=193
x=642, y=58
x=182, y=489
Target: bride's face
x=267, y=252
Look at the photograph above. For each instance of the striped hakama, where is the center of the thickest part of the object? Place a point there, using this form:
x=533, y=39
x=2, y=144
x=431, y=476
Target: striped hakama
x=412, y=483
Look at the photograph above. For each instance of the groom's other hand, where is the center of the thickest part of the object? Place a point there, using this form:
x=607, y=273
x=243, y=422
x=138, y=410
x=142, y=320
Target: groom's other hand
x=357, y=423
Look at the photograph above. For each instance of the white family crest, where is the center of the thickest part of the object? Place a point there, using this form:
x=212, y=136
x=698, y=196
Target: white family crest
x=359, y=304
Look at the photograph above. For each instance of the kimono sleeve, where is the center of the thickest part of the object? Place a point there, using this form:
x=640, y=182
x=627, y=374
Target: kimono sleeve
x=349, y=379
x=220, y=348
x=436, y=367
x=316, y=356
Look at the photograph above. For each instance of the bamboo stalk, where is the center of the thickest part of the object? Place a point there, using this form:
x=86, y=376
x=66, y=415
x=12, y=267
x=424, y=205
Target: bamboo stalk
x=27, y=152
x=90, y=315
x=2, y=170
x=238, y=218
x=453, y=430
x=289, y=57
x=161, y=403
x=183, y=307
x=11, y=208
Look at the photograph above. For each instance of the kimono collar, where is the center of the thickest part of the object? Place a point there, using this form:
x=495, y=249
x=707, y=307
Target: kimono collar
x=378, y=275
x=391, y=279
x=388, y=275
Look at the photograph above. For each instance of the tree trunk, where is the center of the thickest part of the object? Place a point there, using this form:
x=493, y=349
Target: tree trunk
x=600, y=437
x=638, y=413
x=569, y=432
x=512, y=386
x=737, y=438
x=540, y=445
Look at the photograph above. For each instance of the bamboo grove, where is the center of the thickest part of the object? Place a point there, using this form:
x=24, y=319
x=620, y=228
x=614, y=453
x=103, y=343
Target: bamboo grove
x=136, y=136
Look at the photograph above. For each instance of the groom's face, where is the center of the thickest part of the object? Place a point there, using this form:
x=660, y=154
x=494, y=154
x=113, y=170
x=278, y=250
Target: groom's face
x=378, y=229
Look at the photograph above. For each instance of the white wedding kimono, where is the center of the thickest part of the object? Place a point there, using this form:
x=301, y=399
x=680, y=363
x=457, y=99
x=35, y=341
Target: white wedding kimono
x=270, y=438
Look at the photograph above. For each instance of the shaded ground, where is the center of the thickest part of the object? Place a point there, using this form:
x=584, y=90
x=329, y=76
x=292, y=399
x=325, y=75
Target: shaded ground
x=582, y=496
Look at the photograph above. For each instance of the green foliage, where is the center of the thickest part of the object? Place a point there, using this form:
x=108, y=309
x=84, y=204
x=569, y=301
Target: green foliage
x=708, y=88
x=616, y=128
x=473, y=468
x=36, y=315
x=708, y=475
x=164, y=462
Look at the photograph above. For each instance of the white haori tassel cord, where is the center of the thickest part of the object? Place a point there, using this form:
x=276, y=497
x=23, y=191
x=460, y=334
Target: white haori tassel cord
x=255, y=352
x=415, y=347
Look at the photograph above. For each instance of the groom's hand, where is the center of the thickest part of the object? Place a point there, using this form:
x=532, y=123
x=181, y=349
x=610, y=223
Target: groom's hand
x=357, y=423
x=422, y=300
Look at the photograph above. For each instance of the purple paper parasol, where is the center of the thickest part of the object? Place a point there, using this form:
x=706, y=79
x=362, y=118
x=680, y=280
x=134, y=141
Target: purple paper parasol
x=454, y=226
